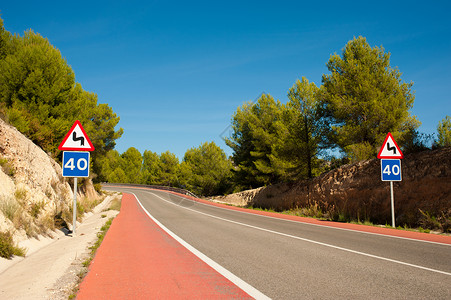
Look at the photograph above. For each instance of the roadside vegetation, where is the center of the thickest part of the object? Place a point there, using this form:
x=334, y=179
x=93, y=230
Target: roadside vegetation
x=428, y=223
x=8, y=248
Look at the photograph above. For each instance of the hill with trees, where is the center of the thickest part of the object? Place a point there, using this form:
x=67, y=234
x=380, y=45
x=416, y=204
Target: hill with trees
x=361, y=100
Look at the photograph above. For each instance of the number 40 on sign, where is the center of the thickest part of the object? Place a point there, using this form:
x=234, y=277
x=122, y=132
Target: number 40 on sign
x=391, y=169
x=75, y=164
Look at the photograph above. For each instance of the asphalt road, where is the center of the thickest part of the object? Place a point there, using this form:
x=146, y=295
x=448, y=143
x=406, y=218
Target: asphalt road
x=292, y=260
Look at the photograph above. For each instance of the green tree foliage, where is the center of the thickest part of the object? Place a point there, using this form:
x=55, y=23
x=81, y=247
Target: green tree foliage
x=273, y=142
x=299, y=133
x=122, y=168
x=98, y=120
x=110, y=164
x=241, y=143
x=170, y=167
x=132, y=165
x=118, y=176
x=5, y=37
x=254, y=135
x=208, y=169
x=39, y=96
x=151, y=168
x=444, y=132
x=366, y=98
x=262, y=122
x=34, y=81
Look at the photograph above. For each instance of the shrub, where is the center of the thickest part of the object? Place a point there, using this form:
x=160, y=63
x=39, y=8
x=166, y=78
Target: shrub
x=21, y=195
x=7, y=167
x=440, y=222
x=9, y=207
x=7, y=247
x=115, y=204
x=36, y=208
x=98, y=187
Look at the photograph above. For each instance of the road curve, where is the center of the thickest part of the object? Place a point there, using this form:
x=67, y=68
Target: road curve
x=285, y=259
x=139, y=260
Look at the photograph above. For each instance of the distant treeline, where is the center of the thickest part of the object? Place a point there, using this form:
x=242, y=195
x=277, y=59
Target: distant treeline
x=205, y=170
x=359, y=102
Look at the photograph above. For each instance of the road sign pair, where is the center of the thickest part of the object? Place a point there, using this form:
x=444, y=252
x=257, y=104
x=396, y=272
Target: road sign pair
x=390, y=155
x=76, y=163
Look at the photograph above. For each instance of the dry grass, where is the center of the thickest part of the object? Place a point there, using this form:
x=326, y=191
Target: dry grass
x=116, y=204
x=8, y=169
x=8, y=248
x=21, y=196
x=9, y=207
x=36, y=208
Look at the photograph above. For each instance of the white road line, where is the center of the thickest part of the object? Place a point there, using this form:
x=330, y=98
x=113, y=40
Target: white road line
x=310, y=241
x=320, y=225
x=250, y=290
x=311, y=224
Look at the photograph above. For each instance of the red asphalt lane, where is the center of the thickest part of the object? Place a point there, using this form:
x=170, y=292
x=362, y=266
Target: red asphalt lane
x=139, y=260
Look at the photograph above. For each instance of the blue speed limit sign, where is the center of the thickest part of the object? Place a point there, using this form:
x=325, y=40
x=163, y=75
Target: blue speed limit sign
x=75, y=164
x=391, y=169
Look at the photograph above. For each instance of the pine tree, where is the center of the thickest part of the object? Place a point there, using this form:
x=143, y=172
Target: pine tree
x=366, y=99
x=299, y=133
x=151, y=168
x=169, y=169
x=208, y=170
x=254, y=135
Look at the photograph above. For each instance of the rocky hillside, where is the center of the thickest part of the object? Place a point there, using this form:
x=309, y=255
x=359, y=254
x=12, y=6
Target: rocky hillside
x=357, y=192
x=34, y=197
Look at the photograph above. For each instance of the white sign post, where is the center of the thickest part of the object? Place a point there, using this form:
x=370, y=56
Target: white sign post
x=76, y=163
x=74, y=208
x=390, y=156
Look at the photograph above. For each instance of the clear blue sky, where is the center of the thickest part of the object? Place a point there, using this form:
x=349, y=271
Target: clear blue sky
x=175, y=72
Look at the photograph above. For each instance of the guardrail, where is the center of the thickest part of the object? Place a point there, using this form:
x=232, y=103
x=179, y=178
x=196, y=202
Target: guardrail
x=157, y=187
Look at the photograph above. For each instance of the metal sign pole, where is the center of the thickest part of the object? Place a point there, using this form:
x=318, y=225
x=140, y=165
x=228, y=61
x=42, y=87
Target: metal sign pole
x=75, y=207
x=392, y=205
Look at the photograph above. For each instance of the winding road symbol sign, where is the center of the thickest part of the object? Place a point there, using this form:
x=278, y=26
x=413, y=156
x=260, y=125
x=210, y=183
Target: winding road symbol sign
x=76, y=139
x=390, y=149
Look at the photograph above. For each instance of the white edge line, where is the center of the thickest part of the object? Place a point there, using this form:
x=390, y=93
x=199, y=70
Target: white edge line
x=312, y=241
x=320, y=225
x=250, y=290
x=312, y=224
x=306, y=223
